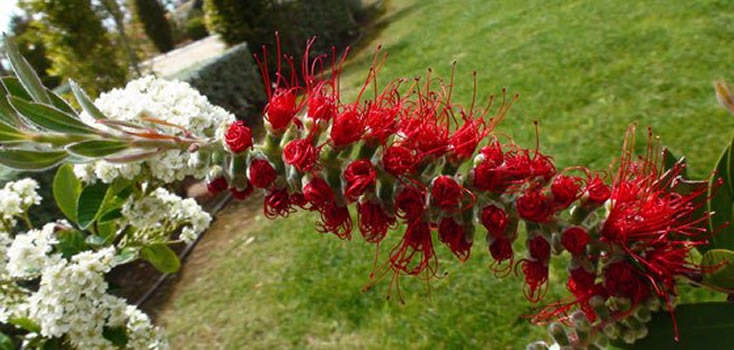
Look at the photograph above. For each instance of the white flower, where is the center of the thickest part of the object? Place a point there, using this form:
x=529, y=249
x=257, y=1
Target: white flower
x=27, y=190
x=171, y=101
x=27, y=255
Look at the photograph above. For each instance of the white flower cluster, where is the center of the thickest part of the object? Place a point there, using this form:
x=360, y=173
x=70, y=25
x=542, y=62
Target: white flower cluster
x=161, y=213
x=28, y=255
x=171, y=101
x=15, y=199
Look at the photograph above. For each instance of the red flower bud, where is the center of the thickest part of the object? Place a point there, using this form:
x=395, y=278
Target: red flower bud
x=495, y=220
x=347, y=127
x=261, y=173
x=321, y=103
x=454, y=236
x=581, y=282
x=597, y=191
x=575, y=239
x=238, y=137
x=534, y=206
x=539, y=248
x=276, y=204
x=565, y=190
x=242, y=194
x=381, y=123
x=336, y=219
x=318, y=193
x=489, y=177
x=465, y=140
x=541, y=166
x=416, y=244
x=493, y=154
x=501, y=249
x=217, y=185
x=373, y=221
x=359, y=176
x=445, y=193
x=398, y=160
x=281, y=109
x=536, y=276
x=621, y=279
x=301, y=154
x=411, y=202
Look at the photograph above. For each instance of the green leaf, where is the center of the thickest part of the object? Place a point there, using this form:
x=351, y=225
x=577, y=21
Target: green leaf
x=5, y=342
x=66, y=191
x=13, y=87
x=10, y=134
x=701, y=326
x=84, y=101
x=71, y=242
x=96, y=148
x=49, y=117
x=111, y=215
x=720, y=203
x=95, y=240
x=25, y=323
x=25, y=72
x=60, y=103
x=116, y=335
x=89, y=203
x=31, y=160
x=125, y=256
x=161, y=257
x=719, y=267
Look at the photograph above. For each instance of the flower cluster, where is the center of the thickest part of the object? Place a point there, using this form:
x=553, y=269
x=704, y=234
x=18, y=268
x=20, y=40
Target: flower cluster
x=15, y=199
x=171, y=106
x=412, y=155
x=159, y=214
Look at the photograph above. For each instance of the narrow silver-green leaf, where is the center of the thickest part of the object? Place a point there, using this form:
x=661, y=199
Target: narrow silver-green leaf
x=31, y=160
x=13, y=87
x=97, y=148
x=26, y=73
x=720, y=199
x=66, y=191
x=89, y=204
x=85, y=101
x=48, y=117
x=161, y=257
x=60, y=103
x=9, y=134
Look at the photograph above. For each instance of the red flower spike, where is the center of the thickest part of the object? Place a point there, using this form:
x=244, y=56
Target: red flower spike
x=534, y=206
x=348, y=127
x=238, y=137
x=575, y=239
x=335, y=219
x=301, y=154
x=539, y=248
x=374, y=222
x=217, y=185
x=415, y=245
x=565, y=189
x=495, y=220
x=318, y=193
x=282, y=103
x=446, y=193
x=358, y=176
x=454, y=236
x=411, y=203
x=398, y=160
x=261, y=173
x=536, y=279
x=276, y=204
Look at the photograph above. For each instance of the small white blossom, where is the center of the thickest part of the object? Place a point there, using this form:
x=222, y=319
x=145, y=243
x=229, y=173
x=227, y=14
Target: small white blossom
x=28, y=254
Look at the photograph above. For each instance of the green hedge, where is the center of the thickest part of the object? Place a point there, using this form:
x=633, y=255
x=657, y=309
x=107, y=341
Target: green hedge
x=231, y=81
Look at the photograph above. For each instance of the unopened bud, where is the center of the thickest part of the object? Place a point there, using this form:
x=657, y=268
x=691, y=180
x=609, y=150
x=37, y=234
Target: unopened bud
x=558, y=333
x=538, y=345
x=643, y=314
x=580, y=321
x=611, y=330
x=629, y=336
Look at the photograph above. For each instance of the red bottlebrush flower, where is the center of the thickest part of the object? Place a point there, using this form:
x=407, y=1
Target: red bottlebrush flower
x=242, y=194
x=261, y=173
x=335, y=219
x=495, y=220
x=416, y=244
x=446, y=193
x=217, y=185
x=411, y=202
x=565, y=189
x=534, y=206
x=455, y=237
x=374, y=222
x=596, y=191
x=276, y=204
x=301, y=154
x=536, y=279
x=238, y=137
x=621, y=279
x=398, y=160
x=539, y=248
x=347, y=127
x=318, y=193
x=575, y=239
x=281, y=109
x=321, y=103
x=359, y=176
x=501, y=250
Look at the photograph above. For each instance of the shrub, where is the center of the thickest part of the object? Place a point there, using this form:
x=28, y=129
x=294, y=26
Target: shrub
x=153, y=17
x=195, y=27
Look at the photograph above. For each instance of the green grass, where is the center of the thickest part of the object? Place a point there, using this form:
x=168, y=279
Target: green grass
x=584, y=69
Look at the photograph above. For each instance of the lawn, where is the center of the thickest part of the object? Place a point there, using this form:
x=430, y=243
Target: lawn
x=584, y=69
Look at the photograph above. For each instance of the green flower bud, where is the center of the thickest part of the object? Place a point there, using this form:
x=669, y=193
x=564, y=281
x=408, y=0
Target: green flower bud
x=558, y=333
x=643, y=314
x=612, y=330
